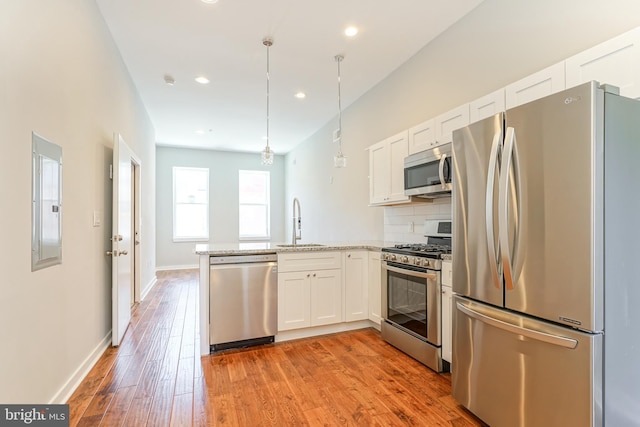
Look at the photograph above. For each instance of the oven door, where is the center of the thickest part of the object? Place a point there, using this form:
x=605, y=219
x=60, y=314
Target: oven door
x=411, y=300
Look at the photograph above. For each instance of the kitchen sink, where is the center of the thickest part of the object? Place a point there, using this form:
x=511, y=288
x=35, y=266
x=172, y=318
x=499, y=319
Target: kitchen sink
x=301, y=245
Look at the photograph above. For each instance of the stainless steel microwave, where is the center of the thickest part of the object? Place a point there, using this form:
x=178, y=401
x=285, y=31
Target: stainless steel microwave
x=428, y=173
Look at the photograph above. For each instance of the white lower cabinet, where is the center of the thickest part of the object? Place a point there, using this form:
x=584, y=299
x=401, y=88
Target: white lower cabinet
x=356, y=286
x=309, y=297
x=447, y=300
x=447, y=311
x=326, y=297
x=375, y=288
x=294, y=308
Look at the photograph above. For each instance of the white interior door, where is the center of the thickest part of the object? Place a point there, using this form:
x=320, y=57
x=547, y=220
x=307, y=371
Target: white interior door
x=121, y=250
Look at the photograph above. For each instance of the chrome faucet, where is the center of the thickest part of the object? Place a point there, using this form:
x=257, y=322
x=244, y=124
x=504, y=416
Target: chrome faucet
x=297, y=221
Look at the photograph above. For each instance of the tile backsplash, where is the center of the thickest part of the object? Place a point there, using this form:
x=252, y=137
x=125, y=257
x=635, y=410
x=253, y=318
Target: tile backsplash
x=405, y=224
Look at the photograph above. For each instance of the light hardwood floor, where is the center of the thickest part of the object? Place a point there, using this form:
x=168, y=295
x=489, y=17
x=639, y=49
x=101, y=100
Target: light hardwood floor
x=156, y=377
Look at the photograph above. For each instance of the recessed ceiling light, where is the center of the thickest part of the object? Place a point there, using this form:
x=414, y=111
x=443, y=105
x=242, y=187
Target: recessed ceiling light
x=350, y=31
x=200, y=132
x=169, y=80
x=209, y=1
x=300, y=95
x=202, y=80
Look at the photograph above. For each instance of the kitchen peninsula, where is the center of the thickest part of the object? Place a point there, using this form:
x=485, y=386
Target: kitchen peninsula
x=350, y=294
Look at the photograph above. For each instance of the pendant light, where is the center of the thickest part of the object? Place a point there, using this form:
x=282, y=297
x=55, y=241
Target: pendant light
x=267, y=154
x=339, y=160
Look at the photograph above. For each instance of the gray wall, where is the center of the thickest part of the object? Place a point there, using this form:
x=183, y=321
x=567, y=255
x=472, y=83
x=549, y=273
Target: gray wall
x=62, y=77
x=223, y=195
x=498, y=43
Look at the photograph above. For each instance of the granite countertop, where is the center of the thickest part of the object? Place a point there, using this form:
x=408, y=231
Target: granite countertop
x=270, y=248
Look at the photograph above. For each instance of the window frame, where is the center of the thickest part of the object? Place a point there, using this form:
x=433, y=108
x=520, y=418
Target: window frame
x=203, y=238
x=254, y=237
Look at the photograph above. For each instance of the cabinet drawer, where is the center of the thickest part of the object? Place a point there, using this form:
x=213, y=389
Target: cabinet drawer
x=309, y=261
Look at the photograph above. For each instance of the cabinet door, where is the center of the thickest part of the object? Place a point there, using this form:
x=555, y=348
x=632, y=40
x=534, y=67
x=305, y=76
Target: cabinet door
x=422, y=136
x=356, y=285
x=447, y=300
x=447, y=273
x=398, y=150
x=448, y=122
x=326, y=297
x=615, y=62
x=487, y=106
x=536, y=86
x=293, y=300
x=379, y=173
x=375, y=287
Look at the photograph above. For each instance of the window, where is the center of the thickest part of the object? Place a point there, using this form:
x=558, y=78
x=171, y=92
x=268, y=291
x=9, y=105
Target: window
x=254, y=206
x=190, y=204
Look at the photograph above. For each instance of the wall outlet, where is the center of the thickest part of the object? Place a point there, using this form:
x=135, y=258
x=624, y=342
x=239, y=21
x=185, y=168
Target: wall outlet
x=410, y=227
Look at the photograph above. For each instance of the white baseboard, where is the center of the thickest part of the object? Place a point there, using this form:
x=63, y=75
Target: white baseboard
x=76, y=378
x=177, y=267
x=323, y=330
x=148, y=288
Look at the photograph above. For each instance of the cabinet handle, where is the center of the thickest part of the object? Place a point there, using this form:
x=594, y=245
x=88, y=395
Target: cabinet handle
x=308, y=274
x=314, y=274
x=349, y=256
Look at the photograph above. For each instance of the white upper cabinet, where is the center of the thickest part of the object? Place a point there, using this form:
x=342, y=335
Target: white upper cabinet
x=422, y=136
x=615, y=62
x=487, y=106
x=386, y=170
x=448, y=122
x=536, y=86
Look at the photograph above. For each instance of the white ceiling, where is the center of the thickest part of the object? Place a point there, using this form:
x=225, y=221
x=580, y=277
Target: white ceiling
x=223, y=41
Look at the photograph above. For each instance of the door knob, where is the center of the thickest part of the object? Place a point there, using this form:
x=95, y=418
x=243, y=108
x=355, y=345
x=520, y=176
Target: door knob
x=110, y=253
x=124, y=252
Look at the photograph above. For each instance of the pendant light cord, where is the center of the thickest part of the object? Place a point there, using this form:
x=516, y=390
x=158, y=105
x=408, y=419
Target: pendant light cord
x=267, y=42
x=339, y=59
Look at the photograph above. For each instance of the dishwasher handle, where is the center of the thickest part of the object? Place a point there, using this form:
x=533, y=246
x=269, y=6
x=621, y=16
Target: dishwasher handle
x=242, y=259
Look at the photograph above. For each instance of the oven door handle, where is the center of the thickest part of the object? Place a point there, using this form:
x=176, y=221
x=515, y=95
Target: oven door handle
x=430, y=276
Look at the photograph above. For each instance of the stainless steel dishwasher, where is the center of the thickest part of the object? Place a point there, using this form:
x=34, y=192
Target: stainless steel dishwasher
x=243, y=300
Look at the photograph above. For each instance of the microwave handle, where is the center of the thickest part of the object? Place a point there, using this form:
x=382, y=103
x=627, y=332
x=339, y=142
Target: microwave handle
x=443, y=158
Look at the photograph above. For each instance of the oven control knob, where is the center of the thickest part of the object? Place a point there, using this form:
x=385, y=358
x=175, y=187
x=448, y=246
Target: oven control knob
x=427, y=263
x=404, y=259
x=417, y=261
x=392, y=257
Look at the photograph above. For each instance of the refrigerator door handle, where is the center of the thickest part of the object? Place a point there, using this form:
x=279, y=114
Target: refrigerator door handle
x=510, y=153
x=443, y=159
x=489, y=214
x=518, y=330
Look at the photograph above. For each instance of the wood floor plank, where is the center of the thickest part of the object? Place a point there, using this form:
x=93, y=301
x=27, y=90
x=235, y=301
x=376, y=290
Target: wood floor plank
x=182, y=411
x=157, y=378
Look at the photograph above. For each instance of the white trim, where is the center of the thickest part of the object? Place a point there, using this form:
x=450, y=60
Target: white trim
x=324, y=330
x=144, y=292
x=203, y=306
x=177, y=267
x=69, y=387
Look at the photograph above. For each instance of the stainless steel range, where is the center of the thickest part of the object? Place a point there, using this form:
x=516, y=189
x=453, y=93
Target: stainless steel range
x=411, y=296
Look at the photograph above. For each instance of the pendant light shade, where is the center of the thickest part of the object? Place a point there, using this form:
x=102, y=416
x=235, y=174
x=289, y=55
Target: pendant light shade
x=267, y=153
x=339, y=160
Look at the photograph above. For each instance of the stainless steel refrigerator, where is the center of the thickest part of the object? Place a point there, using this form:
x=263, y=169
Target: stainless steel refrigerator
x=546, y=262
